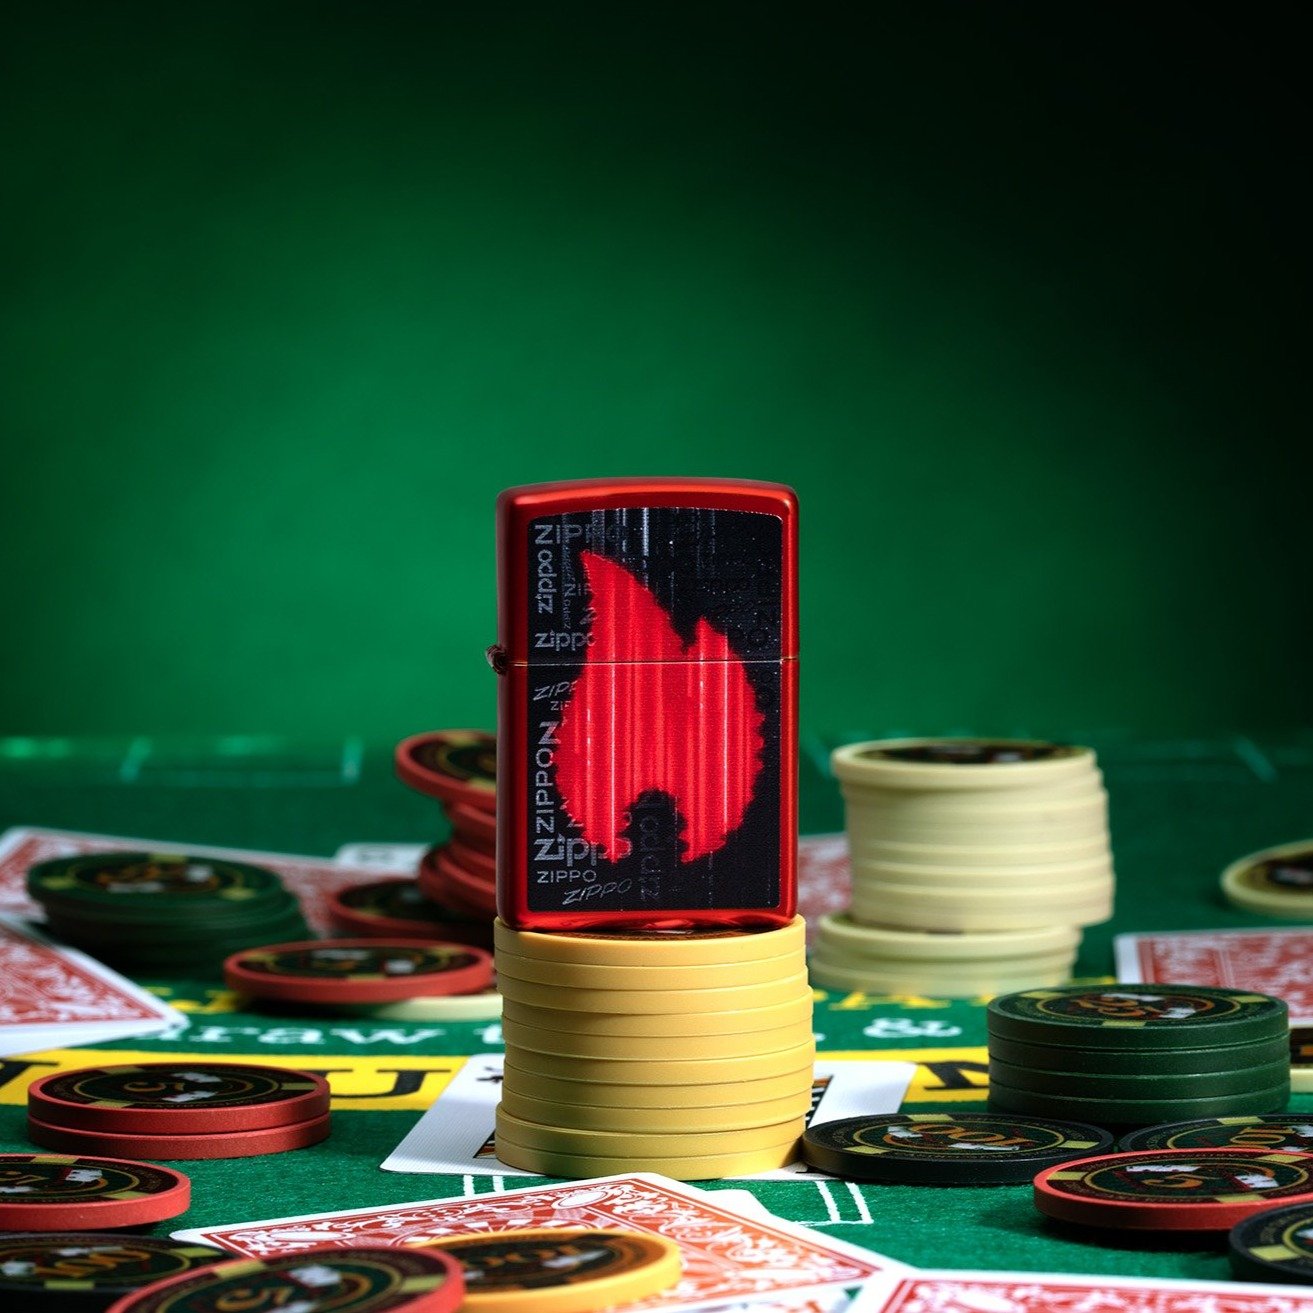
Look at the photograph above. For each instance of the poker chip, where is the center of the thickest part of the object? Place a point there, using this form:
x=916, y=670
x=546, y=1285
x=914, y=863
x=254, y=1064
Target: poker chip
x=446, y=882
x=718, y=1094
x=330, y=971
x=945, y=1148
x=82, y=1271
x=1109, y=1110
x=475, y=825
x=1142, y=1086
x=558, y=1270
x=710, y=1167
x=476, y=861
x=648, y=975
x=1274, y=1245
x=1173, y=1189
x=72, y=1192
x=1276, y=1132
x=218, y=1144
x=908, y=907
x=166, y=912
x=452, y=765
x=399, y=909
x=677, y=1071
x=794, y=1011
x=965, y=763
x=1226, y=1058
x=668, y=1001
x=591, y=1116
x=928, y=978
x=686, y=1143
x=350, y=1280
x=643, y=1048
x=1276, y=882
x=701, y=947
x=1137, y=1016
x=177, y=1098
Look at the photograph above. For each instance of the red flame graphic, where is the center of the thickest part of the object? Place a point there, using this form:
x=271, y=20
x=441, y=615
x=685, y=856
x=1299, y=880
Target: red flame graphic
x=681, y=720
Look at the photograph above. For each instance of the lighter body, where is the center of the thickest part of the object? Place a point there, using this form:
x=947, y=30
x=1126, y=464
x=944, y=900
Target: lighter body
x=647, y=710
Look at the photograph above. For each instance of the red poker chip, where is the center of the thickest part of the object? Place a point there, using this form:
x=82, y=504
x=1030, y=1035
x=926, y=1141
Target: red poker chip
x=474, y=825
x=377, y=911
x=372, y=1277
x=221, y=1144
x=480, y=864
x=177, y=1098
x=452, y=765
x=358, y=970
x=437, y=885
x=1173, y=1189
x=59, y=1192
x=460, y=882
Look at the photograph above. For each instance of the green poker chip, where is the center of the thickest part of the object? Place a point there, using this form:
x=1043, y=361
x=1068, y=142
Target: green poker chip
x=1274, y=1246
x=947, y=1149
x=1135, y=1112
x=153, y=886
x=1147, y=1085
x=1282, y=1132
x=1137, y=1016
x=1205, y=1062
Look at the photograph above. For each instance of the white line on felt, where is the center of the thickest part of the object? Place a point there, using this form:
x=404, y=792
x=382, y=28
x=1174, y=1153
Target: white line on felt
x=823, y=1188
x=1248, y=751
x=862, y=1210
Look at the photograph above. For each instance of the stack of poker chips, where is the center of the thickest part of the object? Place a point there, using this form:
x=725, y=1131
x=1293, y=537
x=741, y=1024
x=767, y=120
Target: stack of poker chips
x=177, y=1110
x=393, y=979
x=1138, y=1054
x=975, y=863
x=163, y=913
x=685, y=1054
x=457, y=767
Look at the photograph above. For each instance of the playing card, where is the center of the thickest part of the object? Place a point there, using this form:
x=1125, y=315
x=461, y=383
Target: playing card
x=456, y=1134
x=390, y=858
x=1048, y=1292
x=825, y=878
x=54, y=997
x=311, y=879
x=727, y=1256
x=1267, y=961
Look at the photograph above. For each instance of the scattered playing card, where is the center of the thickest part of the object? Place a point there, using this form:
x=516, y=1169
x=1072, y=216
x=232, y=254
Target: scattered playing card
x=455, y=1135
x=53, y=997
x=1267, y=961
x=1048, y=1292
x=728, y=1256
x=311, y=879
x=390, y=858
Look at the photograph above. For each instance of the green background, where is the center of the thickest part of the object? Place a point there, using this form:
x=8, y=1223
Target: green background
x=1013, y=294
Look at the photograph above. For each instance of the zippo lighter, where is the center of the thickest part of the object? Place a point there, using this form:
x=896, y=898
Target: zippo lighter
x=647, y=716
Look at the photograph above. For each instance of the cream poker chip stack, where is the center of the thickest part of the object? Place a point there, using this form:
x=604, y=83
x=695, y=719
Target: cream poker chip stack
x=975, y=864
x=686, y=1054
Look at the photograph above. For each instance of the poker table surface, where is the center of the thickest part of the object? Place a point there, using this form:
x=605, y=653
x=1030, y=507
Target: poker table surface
x=1180, y=811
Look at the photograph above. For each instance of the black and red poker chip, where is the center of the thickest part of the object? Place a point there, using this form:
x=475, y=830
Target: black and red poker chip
x=351, y=971
x=82, y=1271
x=361, y=1279
x=178, y=1110
x=399, y=908
x=453, y=765
x=445, y=880
x=1175, y=1190
x=66, y=1192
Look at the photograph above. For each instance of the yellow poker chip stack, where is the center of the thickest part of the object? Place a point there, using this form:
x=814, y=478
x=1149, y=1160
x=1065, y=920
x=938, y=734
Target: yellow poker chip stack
x=685, y=1054
x=975, y=864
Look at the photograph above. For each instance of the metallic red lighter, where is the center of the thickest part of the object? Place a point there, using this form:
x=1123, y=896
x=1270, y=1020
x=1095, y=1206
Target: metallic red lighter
x=647, y=720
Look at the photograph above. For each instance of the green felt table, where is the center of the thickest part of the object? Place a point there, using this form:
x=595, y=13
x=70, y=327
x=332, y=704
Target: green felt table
x=1180, y=811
